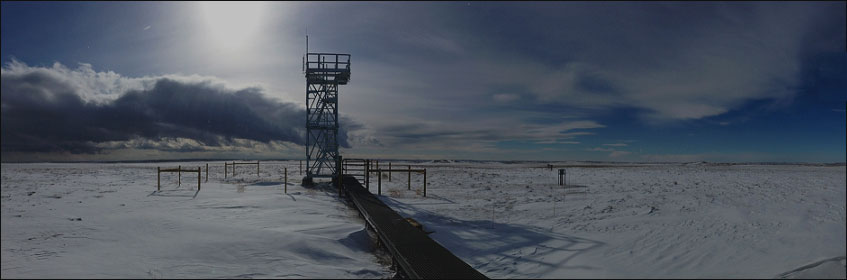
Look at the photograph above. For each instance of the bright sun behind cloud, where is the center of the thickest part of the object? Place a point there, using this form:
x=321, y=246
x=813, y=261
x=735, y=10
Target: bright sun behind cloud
x=232, y=25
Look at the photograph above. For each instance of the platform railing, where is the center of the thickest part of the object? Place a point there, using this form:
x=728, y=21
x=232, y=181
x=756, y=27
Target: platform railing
x=321, y=62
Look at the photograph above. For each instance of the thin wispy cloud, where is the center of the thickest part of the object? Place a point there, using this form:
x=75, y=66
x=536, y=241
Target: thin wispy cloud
x=616, y=154
x=547, y=142
x=613, y=153
x=505, y=97
x=616, y=145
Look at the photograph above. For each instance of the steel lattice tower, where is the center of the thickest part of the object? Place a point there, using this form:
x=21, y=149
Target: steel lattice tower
x=324, y=73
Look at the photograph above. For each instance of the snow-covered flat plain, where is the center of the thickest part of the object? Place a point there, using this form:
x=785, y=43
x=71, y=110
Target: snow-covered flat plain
x=103, y=221
x=506, y=220
x=633, y=221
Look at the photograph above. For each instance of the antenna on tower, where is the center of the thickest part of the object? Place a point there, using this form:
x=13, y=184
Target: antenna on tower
x=307, y=50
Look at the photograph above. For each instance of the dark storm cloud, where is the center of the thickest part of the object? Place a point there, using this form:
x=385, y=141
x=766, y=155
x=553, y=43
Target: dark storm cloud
x=43, y=112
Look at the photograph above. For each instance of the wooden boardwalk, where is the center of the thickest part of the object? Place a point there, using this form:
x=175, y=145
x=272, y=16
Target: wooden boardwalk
x=416, y=253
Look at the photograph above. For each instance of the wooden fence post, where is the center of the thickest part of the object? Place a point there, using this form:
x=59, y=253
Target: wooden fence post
x=179, y=175
x=226, y=170
x=198, y=178
x=409, y=173
x=257, y=168
x=424, y=182
x=158, y=179
x=561, y=177
x=286, y=180
x=207, y=173
x=389, y=171
x=301, y=167
x=339, y=168
x=368, y=174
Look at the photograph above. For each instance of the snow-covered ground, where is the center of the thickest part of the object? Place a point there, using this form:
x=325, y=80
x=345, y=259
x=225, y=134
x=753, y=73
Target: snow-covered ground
x=103, y=221
x=506, y=220
x=633, y=221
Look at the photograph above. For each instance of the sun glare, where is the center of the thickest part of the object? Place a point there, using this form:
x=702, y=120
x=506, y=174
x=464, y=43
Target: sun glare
x=232, y=25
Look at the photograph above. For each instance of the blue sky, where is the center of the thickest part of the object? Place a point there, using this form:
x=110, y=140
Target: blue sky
x=606, y=81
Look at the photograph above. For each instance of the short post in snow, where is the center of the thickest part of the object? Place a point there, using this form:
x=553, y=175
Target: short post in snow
x=340, y=169
x=368, y=174
x=424, y=182
x=562, y=177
